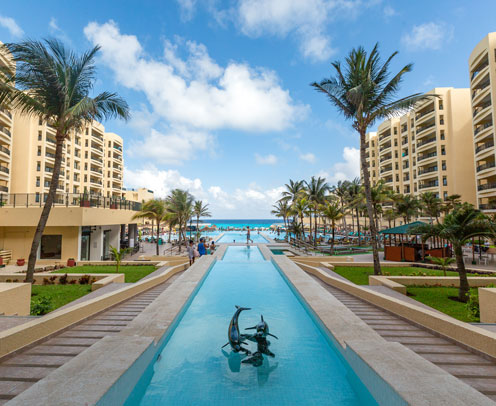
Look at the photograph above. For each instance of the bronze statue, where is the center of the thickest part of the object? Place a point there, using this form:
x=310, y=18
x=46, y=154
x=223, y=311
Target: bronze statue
x=233, y=334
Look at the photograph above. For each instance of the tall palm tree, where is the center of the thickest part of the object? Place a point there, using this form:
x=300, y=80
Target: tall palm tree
x=380, y=194
x=333, y=212
x=364, y=92
x=282, y=209
x=181, y=206
x=154, y=210
x=200, y=210
x=390, y=215
x=341, y=190
x=300, y=208
x=355, y=199
x=293, y=192
x=316, y=191
x=451, y=202
x=458, y=227
x=431, y=205
x=407, y=207
x=54, y=83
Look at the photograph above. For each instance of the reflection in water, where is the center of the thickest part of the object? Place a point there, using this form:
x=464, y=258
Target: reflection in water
x=234, y=360
x=264, y=370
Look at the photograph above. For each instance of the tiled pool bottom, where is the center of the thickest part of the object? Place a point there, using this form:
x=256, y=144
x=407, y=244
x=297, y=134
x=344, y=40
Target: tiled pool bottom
x=240, y=237
x=193, y=370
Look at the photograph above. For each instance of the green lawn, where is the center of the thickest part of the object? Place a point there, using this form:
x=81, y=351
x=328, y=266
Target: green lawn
x=360, y=275
x=133, y=273
x=58, y=295
x=437, y=298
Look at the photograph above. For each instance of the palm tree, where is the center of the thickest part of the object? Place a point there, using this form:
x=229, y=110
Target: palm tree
x=316, y=191
x=431, y=205
x=53, y=83
x=154, y=210
x=200, y=210
x=333, y=212
x=341, y=191
x=407, y=206
x=444, y=263
x=458, y=227
x=390, y=215
x=300, y=208
x=181, y=206
x=365, y=92
x=355, y=198
x=451, y=202
x=293, y=192
x=282, y=209
x=118, y=256
x=380, y=194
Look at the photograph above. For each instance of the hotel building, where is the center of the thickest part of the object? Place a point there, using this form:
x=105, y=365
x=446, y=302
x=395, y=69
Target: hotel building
x=6, y=124
x=428, y=149
x=482, y=70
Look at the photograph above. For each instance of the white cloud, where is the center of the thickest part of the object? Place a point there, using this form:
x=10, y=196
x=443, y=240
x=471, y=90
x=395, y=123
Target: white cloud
x=252, y=201
x=428, y=36
x=309, y=157
x=266, y=160
x=11, y=25
x=196, y=91
x=187, y=8
x=346, y=170
x=389, y=12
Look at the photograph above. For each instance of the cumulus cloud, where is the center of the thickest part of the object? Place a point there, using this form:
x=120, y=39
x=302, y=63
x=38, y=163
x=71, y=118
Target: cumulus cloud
x=348, y=169
x=236, y=96
x=187, y=8
x=308, y=157
x=11, y=25
x=265, y=160
x=428, y=36
x=252, y=201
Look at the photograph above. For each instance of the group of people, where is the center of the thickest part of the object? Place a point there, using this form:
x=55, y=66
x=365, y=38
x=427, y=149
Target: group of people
x=203, y=248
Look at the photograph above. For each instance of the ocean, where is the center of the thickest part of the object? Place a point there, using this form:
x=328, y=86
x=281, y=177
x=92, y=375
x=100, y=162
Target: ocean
x=223, y=224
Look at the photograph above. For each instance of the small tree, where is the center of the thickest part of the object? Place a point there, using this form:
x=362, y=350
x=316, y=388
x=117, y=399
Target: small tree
x=444, y=263
x=118, y=256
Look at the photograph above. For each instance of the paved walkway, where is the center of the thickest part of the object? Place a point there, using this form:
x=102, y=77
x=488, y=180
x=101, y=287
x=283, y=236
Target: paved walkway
x=472, y=368
x=22, y=370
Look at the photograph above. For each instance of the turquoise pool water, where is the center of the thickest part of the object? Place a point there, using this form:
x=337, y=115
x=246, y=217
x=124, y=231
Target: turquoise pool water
x=232, y=236
x=193, y=370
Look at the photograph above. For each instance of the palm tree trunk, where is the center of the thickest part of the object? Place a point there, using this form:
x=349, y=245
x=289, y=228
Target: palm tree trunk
x=158, y=235
x=332, y=243
x=368, y=199
x=197, y=230
x=170, y=232
x=462, y=272
x=342, y=207
x=46, y=208
x=358, y=227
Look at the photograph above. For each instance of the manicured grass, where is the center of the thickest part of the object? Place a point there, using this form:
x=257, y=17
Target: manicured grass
x=59, y=295
x=133, y=273
x=360, y=275
x=438, y=298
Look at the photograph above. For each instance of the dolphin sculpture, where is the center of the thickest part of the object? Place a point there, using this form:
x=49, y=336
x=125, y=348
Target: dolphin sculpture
x=260, y=337
x=262, y=328
x=236, y=339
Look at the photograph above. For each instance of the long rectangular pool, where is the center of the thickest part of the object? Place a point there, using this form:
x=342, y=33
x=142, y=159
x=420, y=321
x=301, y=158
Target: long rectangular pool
x=193, y=370
x=240, y=236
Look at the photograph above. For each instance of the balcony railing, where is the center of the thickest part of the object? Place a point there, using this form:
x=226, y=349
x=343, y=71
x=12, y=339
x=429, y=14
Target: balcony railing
x=386, y=169
x=426, y=156
x=384, y=136
x=405, y=141
x=425, y=127
x=478, y=109
x=428, y=170
x=6, y=112
x=4, y=150
x=385, y=158
x=484, y=146
x=118, y=148
x=429, y=184
x=482, y=127
x=66, y=200
x=479, y=70
x=4, y=169
x=427, y=141
x=488, y=206
x=487, y=165
x=486, y=186
x=479, y=89
x=418, y=116
x=96, y=159
x=4, y=130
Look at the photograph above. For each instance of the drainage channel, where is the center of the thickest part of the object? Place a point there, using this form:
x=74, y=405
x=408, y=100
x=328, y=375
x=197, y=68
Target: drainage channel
x=473, y=369
x=22, y=370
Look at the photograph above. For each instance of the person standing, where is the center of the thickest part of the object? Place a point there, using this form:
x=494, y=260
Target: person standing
x=201, y=247
x=191, y=252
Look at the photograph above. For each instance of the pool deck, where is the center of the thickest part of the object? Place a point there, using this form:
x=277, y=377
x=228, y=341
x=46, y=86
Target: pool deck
x=398, y=360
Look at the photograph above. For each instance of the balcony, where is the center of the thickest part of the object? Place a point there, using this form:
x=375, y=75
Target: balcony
x=428, y=170
x=426, y=156
x=386, y=158
x=426, y=141
x=481, y=107
x=4, y=189
x=427, y=185
x=480, y=89
x=486, y=186
x=488, y=206
x=483, y=147
x=97, y=137
x=422, y=116
x=487, y=165
x=4, y=170
x=5, y=131
x=118, y=148
x=384, y=136
x=425, y=127
x=477, y=70
x=96, y=170
x=479, y=129
x=6, y=116
x=94, y=158
x=4, y=150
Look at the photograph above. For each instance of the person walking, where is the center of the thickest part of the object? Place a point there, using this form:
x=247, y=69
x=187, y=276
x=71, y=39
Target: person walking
x=248, y=235
x=191, y=252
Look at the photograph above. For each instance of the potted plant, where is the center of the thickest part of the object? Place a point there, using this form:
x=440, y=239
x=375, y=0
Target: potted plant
x=71, y=262
x=21, y=262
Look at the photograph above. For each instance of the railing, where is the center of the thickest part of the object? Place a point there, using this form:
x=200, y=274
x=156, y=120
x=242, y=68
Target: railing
x=425, y=127
x=98, y=136
x=96, y=159
x=4, y=150
x=486, y=166
x=484, y=146
x=96, y=170
x=118, y=157
x=6, y=112
x=404, y=128
x=97, y=148
x=384, y=136
x=479, y=89
x=428, y=170
x=405, y=141
x=383, y=170
x=426, y=156
x=478, y=109
x=418, y=116
x=118, y=148
x=50, y=155
x=66, y=200
x=486, y=186
x=482, y=127
x=488, y=206
x=385, y=158
x=427, y=141
x=429, y=184
x=4, y=169
x=479, y=70
x=4, y=130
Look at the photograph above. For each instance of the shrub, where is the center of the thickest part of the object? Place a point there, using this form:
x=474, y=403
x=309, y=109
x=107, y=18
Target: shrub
x=84, y=280
x=8, y=280
x=46, y=281
x=40, y=306
x=72, y=282
x=53, y=279
x=63, y=279
x=473, y=306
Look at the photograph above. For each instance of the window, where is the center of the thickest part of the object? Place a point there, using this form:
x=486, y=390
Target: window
x=109, y=144
x=39, y=151
x=40, y=121
x=395, y=131
x=397, y=189
x=108, y=174
x=441, y=119
x=40, y=135
x=86, y=155
x=443, y=151
x=37, y=197
x=440, y=104
x=445, y=195
x=86, y=131
x=445, y=181
x=38, y=166
x=397, y=180
x=86, y=143
x=86, y=178
x=86, y=166
x=37, y=181
x=395, y=143
x=373, y=174
x=51, y=247
x=442, y=135
x=443, y=165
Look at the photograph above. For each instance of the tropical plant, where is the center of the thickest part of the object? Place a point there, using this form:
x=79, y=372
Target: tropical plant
x=53, y=83
x=407, y=206
x=443, y=262
x=458, y=227
x=390, y=215
x=333, y=212
x=300, y=208
x=315, y=191
x=180, y=204
x=341, y=192
x=380, y=194
x=431, y=205
x=364, y=92
x=154, y=210
x=200, y=210
x=118, y=255
x=451, y=201
x=294, y=190
x=355, y=200
x=282, y=209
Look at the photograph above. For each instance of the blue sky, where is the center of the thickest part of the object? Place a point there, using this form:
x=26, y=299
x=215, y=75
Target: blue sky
x=219, y=91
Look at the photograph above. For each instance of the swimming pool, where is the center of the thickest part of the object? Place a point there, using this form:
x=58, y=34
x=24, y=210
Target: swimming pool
x=233, y=236
x=193, y=370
